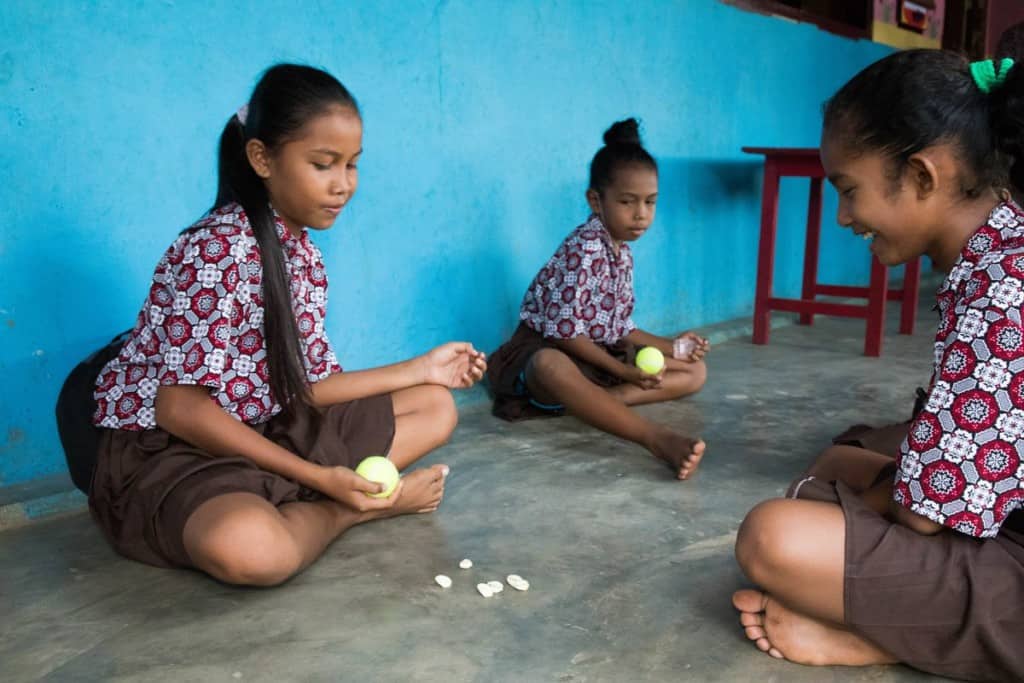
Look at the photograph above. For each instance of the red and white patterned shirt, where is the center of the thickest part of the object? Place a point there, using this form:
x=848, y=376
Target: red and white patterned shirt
x=961, y=465
x=585, y=289
x=202, y=324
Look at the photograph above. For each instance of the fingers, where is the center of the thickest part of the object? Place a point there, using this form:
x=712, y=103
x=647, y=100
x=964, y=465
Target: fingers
x=474, y=372
x=365, y=485
x=461, y=347
x=385, y=503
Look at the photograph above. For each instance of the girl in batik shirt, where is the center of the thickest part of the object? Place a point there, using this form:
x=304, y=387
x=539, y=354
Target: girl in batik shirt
x=576, y=341
x=917, y=556
x=230, y=433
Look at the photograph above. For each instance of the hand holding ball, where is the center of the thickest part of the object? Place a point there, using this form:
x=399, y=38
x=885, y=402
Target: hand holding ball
x=380, y=470
x=650, y=360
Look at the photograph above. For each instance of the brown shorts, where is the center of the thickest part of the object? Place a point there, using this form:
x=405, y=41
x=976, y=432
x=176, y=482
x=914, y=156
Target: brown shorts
x=506, y=369
x=947, y=604
x=148, y=483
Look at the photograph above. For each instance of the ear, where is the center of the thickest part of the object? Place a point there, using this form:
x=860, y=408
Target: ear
x=923, y=174
x=259, y=157
x=594, y=200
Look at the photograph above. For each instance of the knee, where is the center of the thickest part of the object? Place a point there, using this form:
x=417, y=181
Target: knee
x=446, y=416
x=695, y=377
x=546, y=362
x=765, y=550
x=687, y=381
x=249, y=549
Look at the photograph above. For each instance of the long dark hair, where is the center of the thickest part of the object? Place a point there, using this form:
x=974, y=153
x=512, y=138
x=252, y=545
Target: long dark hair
x=911, y=100
x=286, y=98
x=622, y=146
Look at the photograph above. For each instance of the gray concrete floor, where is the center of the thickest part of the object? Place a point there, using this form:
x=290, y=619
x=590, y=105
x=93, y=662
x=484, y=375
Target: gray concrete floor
x=631, y=571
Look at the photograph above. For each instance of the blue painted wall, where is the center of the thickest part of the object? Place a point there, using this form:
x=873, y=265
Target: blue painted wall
x=481, y=117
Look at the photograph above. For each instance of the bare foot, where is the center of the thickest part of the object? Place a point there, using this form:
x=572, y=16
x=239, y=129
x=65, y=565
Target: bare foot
x=681, y=453
x=422, y=491
x=785, y=634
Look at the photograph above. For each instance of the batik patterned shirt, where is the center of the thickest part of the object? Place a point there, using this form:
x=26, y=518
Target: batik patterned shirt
x=202, y=324
x=584, y=290
x=961, y=464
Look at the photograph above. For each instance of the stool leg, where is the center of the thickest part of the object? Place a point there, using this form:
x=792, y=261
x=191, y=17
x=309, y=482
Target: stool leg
x=811, y=248
x=877, y=291
x=908, y=302
x=766, y=250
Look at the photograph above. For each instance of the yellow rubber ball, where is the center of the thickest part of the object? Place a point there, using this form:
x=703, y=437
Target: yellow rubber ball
x=650, y=360
x=381, y=470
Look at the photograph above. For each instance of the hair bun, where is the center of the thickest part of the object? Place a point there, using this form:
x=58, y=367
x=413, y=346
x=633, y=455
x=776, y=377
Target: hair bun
x=626, y=132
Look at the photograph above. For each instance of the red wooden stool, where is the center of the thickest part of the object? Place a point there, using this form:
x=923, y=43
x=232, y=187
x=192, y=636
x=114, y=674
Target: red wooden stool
x=805, y=163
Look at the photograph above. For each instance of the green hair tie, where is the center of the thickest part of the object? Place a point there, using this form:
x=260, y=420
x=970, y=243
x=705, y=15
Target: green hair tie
x=987, y=76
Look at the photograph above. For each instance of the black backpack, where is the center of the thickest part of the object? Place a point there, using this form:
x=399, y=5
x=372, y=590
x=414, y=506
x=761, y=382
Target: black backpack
x=75, y=408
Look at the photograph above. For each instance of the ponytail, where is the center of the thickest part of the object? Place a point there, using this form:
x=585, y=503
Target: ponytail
x=284, y=100
x=1007, y=120
x=239, y=183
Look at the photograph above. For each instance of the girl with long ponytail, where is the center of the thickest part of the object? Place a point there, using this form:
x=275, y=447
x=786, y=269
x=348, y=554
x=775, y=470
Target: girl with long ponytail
x=230, y=434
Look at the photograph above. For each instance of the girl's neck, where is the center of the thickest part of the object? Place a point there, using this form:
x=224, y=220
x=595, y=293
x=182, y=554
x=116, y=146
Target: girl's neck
x=616, y=244
x=958, y=224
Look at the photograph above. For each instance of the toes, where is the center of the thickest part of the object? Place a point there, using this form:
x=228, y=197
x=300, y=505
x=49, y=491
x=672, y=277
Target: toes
x=748, y=600
x=755, y=633
x=752, y=618
x=774, y=652
x=764, y=645
x=698, y=448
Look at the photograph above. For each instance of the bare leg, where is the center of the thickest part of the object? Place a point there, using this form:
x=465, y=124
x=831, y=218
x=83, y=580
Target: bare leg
x=794, y=550
x=241, y=538
x=425, y=418
x=552, y=377
x=676, y=384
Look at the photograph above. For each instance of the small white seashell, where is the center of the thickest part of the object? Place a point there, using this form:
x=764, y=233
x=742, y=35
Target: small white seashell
x=443, y=581
x=495, y=586
x=517, y=582
x=484, y=590
x=466, y=563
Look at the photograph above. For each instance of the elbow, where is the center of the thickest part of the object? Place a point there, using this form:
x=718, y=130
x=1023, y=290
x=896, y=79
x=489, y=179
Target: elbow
x=913, y=521
x=166, y=410
x=175, y=406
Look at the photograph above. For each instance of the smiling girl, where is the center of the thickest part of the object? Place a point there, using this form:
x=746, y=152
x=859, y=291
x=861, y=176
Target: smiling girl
x=918, y=556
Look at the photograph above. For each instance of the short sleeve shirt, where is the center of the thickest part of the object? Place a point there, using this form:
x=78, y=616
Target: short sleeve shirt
x=585, y=289
x=961, y=465
x=202, y=324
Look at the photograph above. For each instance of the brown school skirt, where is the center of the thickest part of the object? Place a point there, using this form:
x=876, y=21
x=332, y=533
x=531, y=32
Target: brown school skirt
x=506, y=369
x=947, y=604
x=147, y=483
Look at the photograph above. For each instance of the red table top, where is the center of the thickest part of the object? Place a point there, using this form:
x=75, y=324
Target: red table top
x=794, y=152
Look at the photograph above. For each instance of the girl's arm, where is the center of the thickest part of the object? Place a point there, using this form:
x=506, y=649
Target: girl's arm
x=456, y=365
x=664, y=344
x=879, y=498
x=644, y=338
x=187, y=412
x=912, y=520
x=586, y=350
